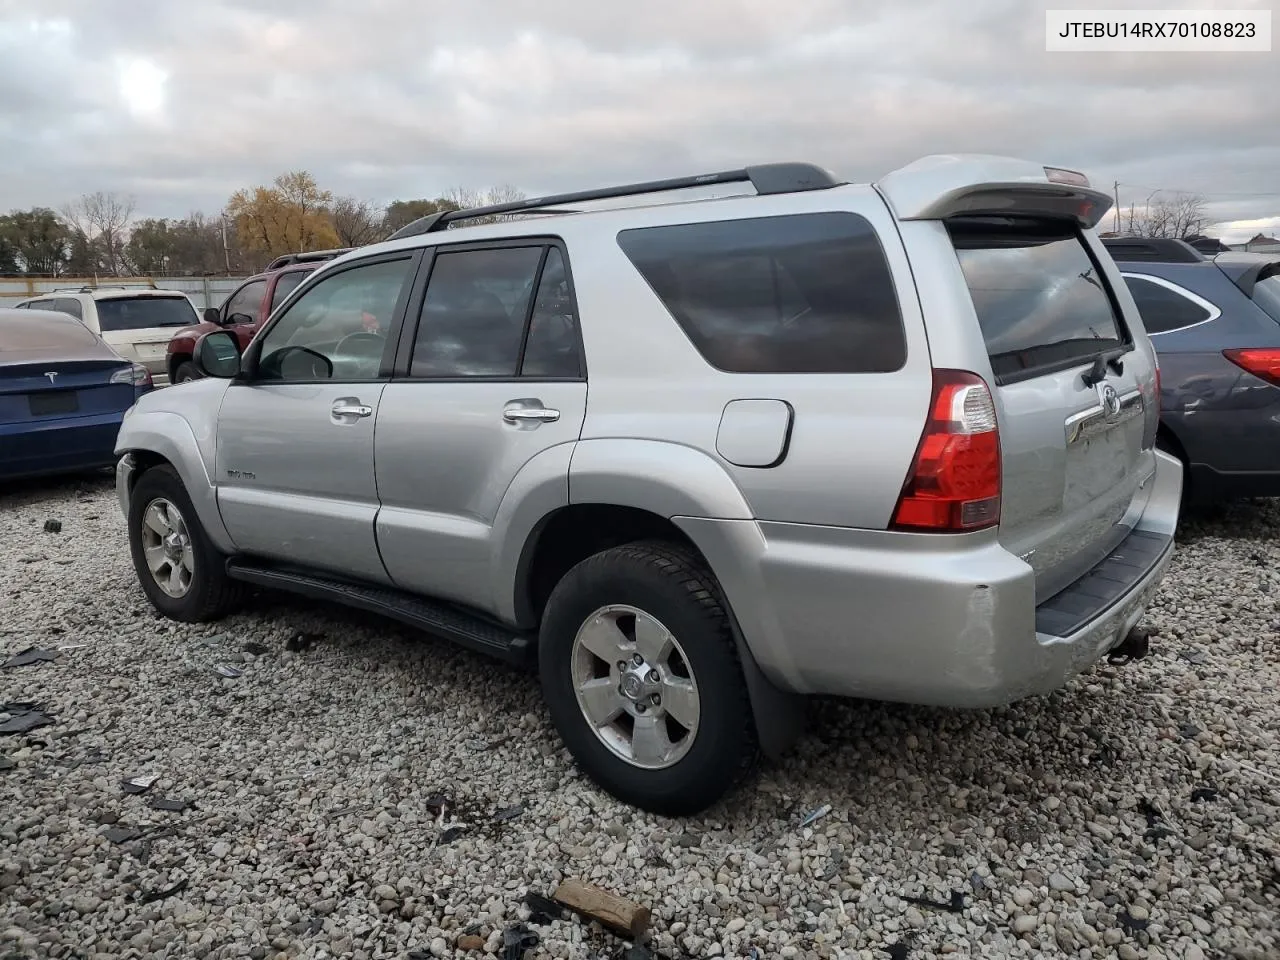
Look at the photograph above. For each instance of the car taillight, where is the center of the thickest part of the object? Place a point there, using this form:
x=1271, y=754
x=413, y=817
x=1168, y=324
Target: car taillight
x=138, y=375
x=1262, y=362
x=954, y=484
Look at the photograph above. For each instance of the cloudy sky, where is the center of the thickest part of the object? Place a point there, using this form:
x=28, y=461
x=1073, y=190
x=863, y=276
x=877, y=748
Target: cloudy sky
x=180, y=104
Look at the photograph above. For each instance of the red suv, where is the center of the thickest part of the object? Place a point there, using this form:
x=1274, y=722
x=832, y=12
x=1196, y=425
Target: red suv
x=246, y=309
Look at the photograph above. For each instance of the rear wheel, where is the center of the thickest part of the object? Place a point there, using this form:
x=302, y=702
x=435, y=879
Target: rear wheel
x=642, y=680
x=179, y=569
x=185, y=371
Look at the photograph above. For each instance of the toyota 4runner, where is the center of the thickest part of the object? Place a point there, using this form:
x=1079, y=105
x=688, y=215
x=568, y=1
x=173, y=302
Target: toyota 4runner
x=694, y=457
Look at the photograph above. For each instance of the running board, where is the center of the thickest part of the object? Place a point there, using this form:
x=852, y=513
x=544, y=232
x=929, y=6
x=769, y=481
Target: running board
x=432, y=616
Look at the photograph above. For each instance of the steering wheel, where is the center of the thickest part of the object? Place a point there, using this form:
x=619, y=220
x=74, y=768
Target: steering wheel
x=376, y=341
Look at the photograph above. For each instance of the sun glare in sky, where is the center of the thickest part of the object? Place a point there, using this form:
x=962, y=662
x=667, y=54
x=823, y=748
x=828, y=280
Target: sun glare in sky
x=141, y=85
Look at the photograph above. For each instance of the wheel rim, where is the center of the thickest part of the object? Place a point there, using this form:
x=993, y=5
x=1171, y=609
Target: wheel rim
x=166, y=545
x=635, y=687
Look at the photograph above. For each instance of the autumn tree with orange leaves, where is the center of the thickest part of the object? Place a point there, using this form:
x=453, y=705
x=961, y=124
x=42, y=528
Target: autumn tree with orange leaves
x=292, y=215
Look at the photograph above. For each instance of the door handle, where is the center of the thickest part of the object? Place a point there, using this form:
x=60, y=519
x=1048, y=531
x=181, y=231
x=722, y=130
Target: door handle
x=344, y=408
x=521, y=412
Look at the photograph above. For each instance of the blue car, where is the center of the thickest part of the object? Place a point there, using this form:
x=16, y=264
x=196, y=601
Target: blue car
x=63, y=394
x=1215, y=324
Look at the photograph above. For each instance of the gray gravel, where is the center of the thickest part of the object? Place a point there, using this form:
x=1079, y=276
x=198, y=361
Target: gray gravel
x=1135, y=814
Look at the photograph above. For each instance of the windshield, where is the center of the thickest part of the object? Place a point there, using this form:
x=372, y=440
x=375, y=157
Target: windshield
x=141, y=313
x=1266, y=294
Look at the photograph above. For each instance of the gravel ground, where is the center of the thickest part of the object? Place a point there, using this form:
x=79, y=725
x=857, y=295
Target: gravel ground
x=1134, y=814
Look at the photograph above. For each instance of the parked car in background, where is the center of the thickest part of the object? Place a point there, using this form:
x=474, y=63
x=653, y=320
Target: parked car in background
x=1215, y=324
x=63, y=394
x=695, y=460
x=245, y=310
x=137, y=322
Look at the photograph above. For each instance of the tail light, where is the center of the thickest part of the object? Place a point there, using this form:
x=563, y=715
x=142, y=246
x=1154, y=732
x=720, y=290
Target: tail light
x=138, y=375
x=954, y=484
x=1263, y=363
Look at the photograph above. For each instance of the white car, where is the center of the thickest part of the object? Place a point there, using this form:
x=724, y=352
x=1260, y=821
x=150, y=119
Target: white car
x=137, y=322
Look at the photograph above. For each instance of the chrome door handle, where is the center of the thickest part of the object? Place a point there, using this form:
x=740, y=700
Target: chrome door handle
x=517, y=413
x=341, y=409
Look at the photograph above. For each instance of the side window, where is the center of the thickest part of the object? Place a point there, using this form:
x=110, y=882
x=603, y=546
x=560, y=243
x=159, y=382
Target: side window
x=804, y=293
x=473, y=316
x=44, y=305
x=247, y=300
x=337, y=329
x=1163, y=309
x=71, y=306
x=551, y=349
x=286, y=283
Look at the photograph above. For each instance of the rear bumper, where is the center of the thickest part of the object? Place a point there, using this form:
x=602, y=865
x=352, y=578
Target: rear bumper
x=58, y=446
x=945, y=621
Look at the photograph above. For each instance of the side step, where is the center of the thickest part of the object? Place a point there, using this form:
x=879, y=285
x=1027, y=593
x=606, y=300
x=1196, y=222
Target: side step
x=452, y=623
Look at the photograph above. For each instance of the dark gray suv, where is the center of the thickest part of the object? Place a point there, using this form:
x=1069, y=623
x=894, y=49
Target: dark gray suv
x=1215, y=324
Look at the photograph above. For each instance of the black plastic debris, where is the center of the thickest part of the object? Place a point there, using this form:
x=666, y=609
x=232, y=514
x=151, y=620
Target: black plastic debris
x=509, y=813
x=1189, y=731
x=139, y=784
x=420, y=954
x=451, y=834
x=1150, y=811
x=898, y=951
x=168, y=805
x=517, y=939
x=977, y=882
x=6, y=764
x=1131, y=925
x=1201, y=794
x=956, y=904
x=53, y=526
x=301, y=641
x=542, y=910
x=256, y=649
x=439, y=804
x=1195, y=657
x=636, y=952
x=23, y=717
x=121, y=834
x=30, y=656
x=228, y=671
x=154, y=896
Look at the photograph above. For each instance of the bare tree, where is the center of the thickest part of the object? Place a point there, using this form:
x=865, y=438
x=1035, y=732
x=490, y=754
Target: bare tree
x=356, y=222
x=1174, y=216
x=103, y=220
x=467, y=198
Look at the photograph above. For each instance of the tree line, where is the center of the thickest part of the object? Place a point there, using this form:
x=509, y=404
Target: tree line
x=98, y=235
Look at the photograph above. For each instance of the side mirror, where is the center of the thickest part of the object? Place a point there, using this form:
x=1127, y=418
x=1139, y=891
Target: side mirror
x=218, y=355
x=213, y=315
x=240, y=318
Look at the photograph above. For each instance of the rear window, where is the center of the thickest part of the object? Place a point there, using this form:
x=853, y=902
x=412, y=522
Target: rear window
x=141, y=313
x=806, y=293
x=1040, y=298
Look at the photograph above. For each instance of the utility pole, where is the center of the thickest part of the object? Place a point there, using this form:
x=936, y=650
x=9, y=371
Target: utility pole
x=1116, y=227
x=226, y=252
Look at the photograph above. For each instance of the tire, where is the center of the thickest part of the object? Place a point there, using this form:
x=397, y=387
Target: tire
x=669, y=586
x=206, y=592
x=185, y=371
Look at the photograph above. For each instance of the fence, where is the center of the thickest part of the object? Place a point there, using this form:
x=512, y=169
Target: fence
x=203, y=291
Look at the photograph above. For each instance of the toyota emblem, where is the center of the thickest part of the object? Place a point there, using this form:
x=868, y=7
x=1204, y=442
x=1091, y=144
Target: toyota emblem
x=1110, y=401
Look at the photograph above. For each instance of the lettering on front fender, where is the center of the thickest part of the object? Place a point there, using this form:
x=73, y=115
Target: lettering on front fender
x=241, y=475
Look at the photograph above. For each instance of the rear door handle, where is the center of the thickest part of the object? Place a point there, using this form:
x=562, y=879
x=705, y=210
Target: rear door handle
x=347, y=408
x=521, y=411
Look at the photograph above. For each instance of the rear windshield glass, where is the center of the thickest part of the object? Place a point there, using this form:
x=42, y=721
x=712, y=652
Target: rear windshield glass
x=805, y=293
x=1266, y=294
x=1039, y=296
x=140, y=313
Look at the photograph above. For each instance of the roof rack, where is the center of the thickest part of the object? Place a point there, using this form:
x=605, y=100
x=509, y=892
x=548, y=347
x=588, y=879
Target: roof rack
x=1152, y=250
x=767, y=178
x=91, y=287
x=308, y=256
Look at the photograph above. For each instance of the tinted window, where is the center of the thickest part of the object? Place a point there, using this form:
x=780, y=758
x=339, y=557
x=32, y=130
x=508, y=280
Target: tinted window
x=142, y=313
x=1039, y=296
x=43, y=305
x=68, y=305
x=473, y=316
x=809, y=293
x=247, y=300
x=285, y=285
x=1163, y=309
x=552, y=346
x=337, y=329
x=1266, y=294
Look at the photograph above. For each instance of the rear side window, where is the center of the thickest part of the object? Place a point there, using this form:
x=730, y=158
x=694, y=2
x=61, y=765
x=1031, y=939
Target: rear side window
x=1041, y=300
x=1163, y=308
x=68, y=305
x=286, y=283
x=1266, y=294
x=141, y=313
x=806, y=293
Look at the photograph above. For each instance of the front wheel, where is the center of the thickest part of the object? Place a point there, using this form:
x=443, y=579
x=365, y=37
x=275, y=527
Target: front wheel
x=179, y=569
x=641, y=676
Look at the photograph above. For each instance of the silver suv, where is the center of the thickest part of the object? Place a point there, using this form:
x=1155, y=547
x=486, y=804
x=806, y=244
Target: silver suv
x=694, y=457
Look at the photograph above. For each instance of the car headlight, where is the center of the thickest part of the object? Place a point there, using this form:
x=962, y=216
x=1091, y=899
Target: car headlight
x=138, y=375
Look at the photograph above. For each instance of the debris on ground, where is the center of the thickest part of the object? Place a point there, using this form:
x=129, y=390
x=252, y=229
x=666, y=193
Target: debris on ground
x=1200, y=794
x=509, y=813
x=898, y=951
x=956, y=904
x=139, y=784
x=168, y=805
x=255, y=649
x=608, y=909
x=154, y=896
x=53, y=526
x=122, y=834
x=542, y=910
x=638, y=952
x=813, y=816
x=302, y=641
x=30, y=656
x=516, y=939
x=438, y=804
x=470, y=942
x=451, y=834
x=7, y=764
x=228, y=671
x=23, y=717
x=1131, y=924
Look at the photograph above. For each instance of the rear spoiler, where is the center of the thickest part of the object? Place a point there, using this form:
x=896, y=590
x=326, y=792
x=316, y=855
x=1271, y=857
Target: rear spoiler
x=954, y=185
